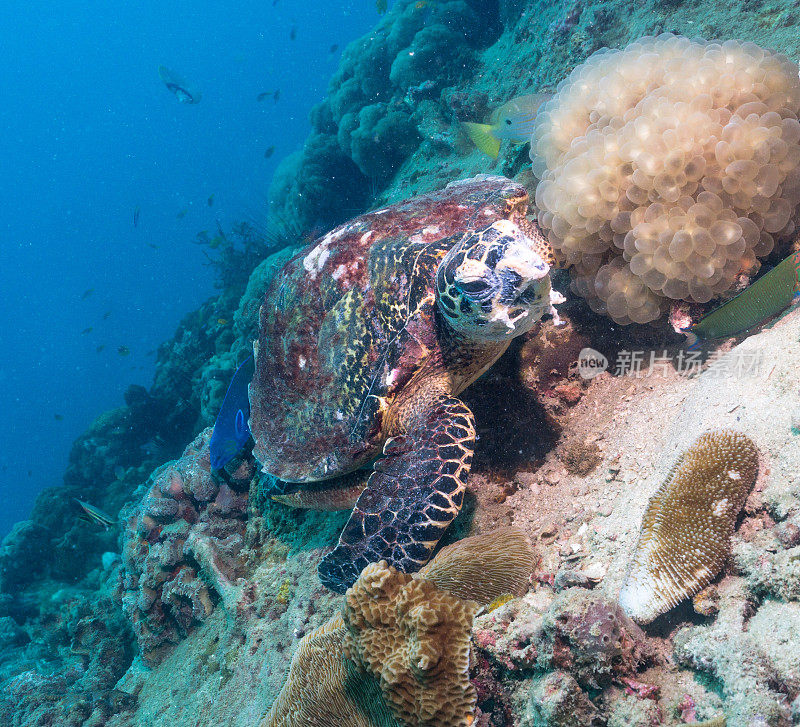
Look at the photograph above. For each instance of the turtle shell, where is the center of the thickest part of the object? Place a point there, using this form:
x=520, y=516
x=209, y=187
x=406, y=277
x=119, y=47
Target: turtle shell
x=350, y=319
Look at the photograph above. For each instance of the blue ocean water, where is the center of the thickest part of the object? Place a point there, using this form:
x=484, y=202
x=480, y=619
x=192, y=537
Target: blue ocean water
x=88, y=136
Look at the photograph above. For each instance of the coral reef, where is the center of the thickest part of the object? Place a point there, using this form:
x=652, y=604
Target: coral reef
x=324, y=689
x=667, y=168
x=686, y=529
x=413, y=638
x=369, y=124
x=483, y=568
x=406, y=635
x=182, y=548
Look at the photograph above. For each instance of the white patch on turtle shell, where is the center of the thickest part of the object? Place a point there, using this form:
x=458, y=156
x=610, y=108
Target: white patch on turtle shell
x=341, y=270
x=365, y=237
x=339, y=415
x=734, y=475
x=316, y=259
x=430, y=230
x=391, y=377
x=301, y=362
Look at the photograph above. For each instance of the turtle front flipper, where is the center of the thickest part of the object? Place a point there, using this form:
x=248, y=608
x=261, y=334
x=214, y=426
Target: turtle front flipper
x=414, y=492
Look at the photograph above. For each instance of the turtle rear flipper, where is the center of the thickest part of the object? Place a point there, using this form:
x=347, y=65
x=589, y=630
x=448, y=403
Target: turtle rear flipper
x=411, y=497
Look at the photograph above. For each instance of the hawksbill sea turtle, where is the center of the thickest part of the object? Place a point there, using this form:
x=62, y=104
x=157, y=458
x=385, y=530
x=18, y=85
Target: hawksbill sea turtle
x=367, y=337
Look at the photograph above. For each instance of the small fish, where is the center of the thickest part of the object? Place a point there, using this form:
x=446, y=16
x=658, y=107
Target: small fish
x=293, y=33
x=211, y=200
x=420, y=4
x=58, y=417
x=92, y=514
x=333, y=48
x=136, y=211
x=381, y=6
x=100, y=347
x=123, y=351
x=512, y=121
x=231, y=429
x=87, y=330
x=768, y=296
x=276, y=95
x=176, y=85
x=264, y=96
x=269, y=152
x=87, y=293
x=106, y=315
x=222, y=321
x=154, y=246
x=182, y=213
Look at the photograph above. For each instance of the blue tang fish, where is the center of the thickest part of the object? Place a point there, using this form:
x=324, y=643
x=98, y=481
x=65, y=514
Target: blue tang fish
x=231, y=430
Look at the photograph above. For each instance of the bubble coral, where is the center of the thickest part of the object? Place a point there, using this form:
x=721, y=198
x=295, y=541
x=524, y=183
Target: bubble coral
x=666, y=168
x=686, y=529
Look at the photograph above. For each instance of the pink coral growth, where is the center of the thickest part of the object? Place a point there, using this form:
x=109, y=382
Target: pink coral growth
x=182, y=548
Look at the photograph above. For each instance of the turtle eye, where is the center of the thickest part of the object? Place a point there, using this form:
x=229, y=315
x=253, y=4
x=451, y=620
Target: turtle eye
x=474, y=287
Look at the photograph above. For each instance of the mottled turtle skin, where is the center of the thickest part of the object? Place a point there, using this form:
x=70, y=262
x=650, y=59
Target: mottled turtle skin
x=366, y=339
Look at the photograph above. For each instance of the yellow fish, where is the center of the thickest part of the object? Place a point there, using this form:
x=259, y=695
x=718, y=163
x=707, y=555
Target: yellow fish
x=513, y=121
x=222, y=321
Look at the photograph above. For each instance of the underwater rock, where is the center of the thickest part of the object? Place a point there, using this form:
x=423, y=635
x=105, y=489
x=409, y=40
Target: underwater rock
x=556, y=700
x=740, y=658
x=667, y=168
x=23, y=555
x=686, y=530
x=591, y=638
x=181, y=550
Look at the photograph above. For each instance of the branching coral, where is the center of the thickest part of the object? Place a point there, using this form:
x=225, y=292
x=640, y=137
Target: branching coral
x=181, y=549
x=667, y=168
x=688, y=523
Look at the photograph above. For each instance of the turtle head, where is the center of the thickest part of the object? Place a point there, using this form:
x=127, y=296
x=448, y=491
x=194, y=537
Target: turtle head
x=493, y=286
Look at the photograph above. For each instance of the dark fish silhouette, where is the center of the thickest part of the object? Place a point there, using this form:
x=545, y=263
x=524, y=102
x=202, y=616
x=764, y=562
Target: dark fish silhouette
x=293, y=33
x=269, y=152
x=100, y=347
x=333, y=48
x=231, y=430
x=87, y=293
x=136, y=211
x=92, y=514
x=87, y=330
x=176, y=85
x=182, y=213
x=211, y=201
x=106, y=315
x=58, y=417
x=123, y=351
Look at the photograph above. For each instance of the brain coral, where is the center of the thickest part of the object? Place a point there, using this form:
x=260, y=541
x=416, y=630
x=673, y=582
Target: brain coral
x=688, y=524
x=666, y=168
x=415, y=639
